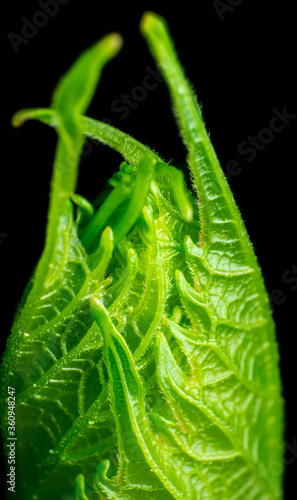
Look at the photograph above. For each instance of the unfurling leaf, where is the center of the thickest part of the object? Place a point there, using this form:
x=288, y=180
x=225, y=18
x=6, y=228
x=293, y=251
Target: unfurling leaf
x=143, y=356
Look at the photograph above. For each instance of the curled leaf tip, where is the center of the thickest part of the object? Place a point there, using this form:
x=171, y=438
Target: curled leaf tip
x=45, y=115
x=17, y=120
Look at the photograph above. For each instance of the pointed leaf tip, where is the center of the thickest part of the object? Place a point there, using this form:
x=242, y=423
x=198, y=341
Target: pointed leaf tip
x=151, y=20
x=114, y=43
x=148, y=19
x=75, y=89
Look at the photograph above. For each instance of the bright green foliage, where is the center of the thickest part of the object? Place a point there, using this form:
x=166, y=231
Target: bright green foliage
x=143, y=355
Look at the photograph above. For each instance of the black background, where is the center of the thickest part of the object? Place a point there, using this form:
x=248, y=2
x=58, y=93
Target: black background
x=242, y=67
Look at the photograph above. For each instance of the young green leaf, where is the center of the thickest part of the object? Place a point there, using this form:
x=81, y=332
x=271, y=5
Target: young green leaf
x=143, y=356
